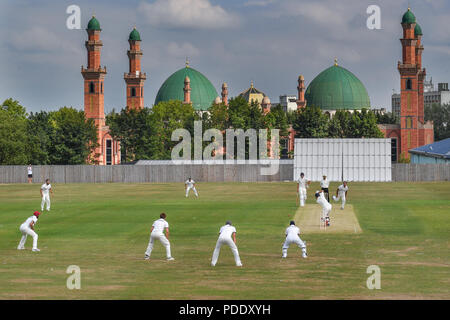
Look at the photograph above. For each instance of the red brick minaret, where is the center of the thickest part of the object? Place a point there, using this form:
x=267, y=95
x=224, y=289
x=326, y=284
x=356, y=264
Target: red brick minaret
x=225, y=93
x=301, y=102
x=94, y=75
x=135, y=78
x=411, y=83
x=187, y=90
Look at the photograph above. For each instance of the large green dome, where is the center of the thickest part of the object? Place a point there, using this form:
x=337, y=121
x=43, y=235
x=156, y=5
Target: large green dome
x=93, y=24
x=203, y=92
x=336, y=88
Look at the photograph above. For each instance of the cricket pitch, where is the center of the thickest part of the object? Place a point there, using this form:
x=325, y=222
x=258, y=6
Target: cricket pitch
x=342, y=221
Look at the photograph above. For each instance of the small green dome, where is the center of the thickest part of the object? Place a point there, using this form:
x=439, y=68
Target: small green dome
x=408, y=17
x=203, y=92
x=418, y=30
x=336, y=88
x=134, y=35
x=93, y=24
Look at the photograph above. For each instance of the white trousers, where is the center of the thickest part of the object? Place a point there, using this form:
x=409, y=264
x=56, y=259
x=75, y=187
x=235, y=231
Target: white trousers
x=340, y=196
x=297, y=241
x=193, y=188
x=302, y=196
x=326, y=212
x=26, y=231
x=162, y=238
x=45, y=200
x=229, y=242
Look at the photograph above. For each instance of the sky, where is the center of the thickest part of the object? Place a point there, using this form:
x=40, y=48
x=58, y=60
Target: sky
x=269, y=42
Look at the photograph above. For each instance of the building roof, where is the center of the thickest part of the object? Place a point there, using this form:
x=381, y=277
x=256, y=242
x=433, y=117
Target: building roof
x=440, y=149
x=252, y=90
x=134, y=35
x=408, y=17
x=93, y=24
x=203, y=92
x=336, y=88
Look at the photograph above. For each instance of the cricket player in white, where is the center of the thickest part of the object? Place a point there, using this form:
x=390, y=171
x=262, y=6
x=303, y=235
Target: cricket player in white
x=190, y=184
x=46, y=189
x=326, y=207
x=157, y=233
x=227, y=236
x=293, y=236
x=27, y=229
x=303, y=184
x=324, y=185
x=341, y=193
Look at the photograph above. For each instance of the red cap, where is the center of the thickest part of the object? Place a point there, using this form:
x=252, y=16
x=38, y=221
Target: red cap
x=37, y=213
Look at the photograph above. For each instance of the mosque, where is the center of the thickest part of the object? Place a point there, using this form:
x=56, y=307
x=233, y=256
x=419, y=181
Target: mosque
x=335, y=88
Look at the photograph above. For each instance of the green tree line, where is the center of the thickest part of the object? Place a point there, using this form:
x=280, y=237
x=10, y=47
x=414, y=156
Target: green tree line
x=56, y=137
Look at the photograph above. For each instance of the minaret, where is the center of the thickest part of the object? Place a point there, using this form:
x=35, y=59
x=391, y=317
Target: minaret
x=94, y=76
x=135, y=78
x=187, y=90
x=301, y=102
x=225, y=93
x=409, y=86
x=422, y=74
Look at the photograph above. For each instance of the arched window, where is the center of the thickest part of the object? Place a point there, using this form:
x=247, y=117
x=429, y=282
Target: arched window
x=133, y=92
x=408, y=84
x=91, y=87
x=142, y=92
x=101, y=86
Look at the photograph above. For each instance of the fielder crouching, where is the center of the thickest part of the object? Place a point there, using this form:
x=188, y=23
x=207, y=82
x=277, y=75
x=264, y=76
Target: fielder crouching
x=157, y=233
x=293, y=236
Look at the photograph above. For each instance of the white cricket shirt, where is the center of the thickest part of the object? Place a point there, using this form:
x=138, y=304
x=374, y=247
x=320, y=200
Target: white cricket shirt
x=324, y=183
x=302, y=182
x=190, y=184
x=27, y=222
x=323, y=202
x=45, y=189
x=30, y=171
x=342, y=189
x=159, y=226
x=292, y=231
x=226, y=231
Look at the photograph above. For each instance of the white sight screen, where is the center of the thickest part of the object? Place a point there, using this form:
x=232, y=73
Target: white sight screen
x=343, y=159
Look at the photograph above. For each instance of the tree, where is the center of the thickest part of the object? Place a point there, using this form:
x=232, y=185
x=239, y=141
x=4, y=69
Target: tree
x=132, y=128
x=367, y=124
x=310, y=122
x=39, y=132
x=440, y=115
x=339, y=124
x=166, y=117
x=13, y=133
x=387, y=118
x=73, y=138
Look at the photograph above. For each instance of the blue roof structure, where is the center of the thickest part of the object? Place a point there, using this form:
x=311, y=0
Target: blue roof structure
x=440, y=149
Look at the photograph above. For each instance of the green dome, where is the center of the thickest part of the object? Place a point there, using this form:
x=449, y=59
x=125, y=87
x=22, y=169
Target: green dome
x=134, y=35
x=336, y=88
x=203, y=92
x=93, y=24
x=408, y=17
x=418, y=30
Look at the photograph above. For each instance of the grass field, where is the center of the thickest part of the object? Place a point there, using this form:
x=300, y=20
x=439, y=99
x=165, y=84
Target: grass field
x=104, y=229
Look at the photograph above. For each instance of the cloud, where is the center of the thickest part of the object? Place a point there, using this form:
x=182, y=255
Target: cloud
x=38, y=39
x=258, y=3
x=182, y=50
x=191, y=14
